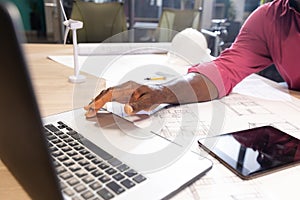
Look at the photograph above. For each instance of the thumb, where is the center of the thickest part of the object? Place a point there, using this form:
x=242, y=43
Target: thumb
x=128, y=109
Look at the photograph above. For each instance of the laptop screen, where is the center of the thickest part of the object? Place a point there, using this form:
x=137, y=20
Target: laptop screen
x=23, y=147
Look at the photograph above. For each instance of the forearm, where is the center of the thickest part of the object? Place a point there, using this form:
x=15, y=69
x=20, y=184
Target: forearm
x=191, y=88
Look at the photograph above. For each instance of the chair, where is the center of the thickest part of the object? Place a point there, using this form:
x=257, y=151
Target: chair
x=173, y=21
x=100, y=20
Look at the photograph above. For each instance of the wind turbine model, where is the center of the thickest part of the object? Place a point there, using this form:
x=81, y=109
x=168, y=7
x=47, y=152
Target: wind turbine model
x=73, y=25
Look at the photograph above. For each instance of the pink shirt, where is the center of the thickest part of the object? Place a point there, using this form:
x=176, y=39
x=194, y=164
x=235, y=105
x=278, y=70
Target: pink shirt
x=270, y=35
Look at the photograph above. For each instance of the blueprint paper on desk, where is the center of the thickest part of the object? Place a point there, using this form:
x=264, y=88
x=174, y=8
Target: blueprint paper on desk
x=118, y=109
x=123, y=48
x=117, y=69
x=256, y=86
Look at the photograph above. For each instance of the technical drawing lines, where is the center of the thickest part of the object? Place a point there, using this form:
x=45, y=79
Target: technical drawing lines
x=283, y=125
x=242, y=105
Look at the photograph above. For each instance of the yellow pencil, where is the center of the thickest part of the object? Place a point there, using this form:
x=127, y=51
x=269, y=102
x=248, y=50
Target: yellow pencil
x=156, y=78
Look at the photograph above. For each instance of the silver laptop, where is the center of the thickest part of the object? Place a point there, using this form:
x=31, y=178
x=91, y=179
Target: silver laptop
x=65, y=156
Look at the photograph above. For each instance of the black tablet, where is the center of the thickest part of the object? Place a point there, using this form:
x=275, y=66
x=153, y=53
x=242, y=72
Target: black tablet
x=254, y=152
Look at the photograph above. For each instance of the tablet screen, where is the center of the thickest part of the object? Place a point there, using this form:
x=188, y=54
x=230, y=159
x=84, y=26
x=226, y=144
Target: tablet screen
x=254, y=152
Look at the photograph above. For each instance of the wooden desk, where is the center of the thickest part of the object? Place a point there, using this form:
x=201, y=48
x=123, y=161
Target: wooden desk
x=54, y=93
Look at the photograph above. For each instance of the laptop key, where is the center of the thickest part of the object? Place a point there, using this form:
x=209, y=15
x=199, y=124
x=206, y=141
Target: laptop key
x=96, y=185
x=73, y=143
x=97, y=173
x=66, y=149
x=62, y=185
x=72, y=153
x=62, y=158
x=122, y=167
x=51, y=127
x=69, y=129
x=90, y=156
x=68, y=192
x=63, y=136
x=90, y=168
x=78, y=147
x=84, y=152
x=110, y=171
x=104, y=179
x=59, y=133
x=97, y=150
x=139, y=178
x=66, y=175
x=96, y=161
x=128, y=183
x=68, y=163
x=53, y=149
x=61, y=145
x=116, y=188
x=83, y=162
x=114, y=162
x=62, y=126
x=73, y=181
x=77, y=157
x=118, y=176
x=87, y=195
x=60, y=170
x=74, y=168
x=51, y=137
x=56, y=164
x=56, y=141
x=80, y=188
x=88, y=179
x=103, y=166
x=72, y=132
x=105, y=194
x=57, y=153
x=81, y=173
x=130, y=173
x=68, y=140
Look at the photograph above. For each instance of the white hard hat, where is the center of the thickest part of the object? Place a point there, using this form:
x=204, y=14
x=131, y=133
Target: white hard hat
x=189, y=47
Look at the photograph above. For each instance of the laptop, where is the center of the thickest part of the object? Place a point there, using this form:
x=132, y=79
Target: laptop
x=66, y=156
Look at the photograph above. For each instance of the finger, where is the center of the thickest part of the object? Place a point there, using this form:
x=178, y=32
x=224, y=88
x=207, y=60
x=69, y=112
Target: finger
x=128, y=109
x=97, y=103
x=139, y=92
x=104, y=97
x=143, y=103
x=87, y=107
x=90, y=113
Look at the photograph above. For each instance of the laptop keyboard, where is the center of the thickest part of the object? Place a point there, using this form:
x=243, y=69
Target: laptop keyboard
x=86, y=174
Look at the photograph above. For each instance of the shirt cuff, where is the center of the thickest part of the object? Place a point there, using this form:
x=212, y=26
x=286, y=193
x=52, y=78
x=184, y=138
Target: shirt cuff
x=211, y=71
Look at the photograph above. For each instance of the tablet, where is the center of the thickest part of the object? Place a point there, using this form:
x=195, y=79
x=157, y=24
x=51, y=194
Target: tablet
x=254, y=152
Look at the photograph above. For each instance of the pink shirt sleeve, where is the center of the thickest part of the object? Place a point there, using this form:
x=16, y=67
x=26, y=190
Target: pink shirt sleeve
x=248, y=54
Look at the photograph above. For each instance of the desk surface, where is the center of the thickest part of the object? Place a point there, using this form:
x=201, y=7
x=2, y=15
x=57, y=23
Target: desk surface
x=50, y=82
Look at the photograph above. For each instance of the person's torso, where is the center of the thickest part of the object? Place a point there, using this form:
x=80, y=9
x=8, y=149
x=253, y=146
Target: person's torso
x=284, y=42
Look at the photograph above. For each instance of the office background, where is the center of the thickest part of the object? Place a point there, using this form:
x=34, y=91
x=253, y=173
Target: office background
x=43, y=19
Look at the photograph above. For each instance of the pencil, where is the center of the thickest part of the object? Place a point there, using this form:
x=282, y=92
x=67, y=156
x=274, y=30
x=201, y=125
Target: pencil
x=155, y=78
